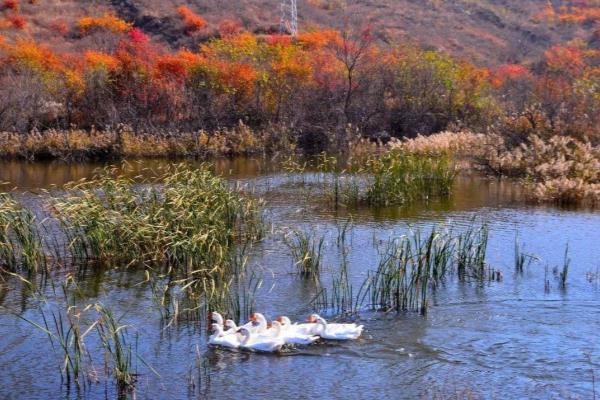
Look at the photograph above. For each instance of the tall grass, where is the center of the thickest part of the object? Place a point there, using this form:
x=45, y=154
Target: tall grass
x=565, y=269
x=21, y=246
x=408, y=269
x=190, y=222
x=401, y=178
x=471, y=252
x=394, y=178
x=307, y=252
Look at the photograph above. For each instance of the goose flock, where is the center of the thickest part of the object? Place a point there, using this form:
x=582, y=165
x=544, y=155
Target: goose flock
x=258, y=335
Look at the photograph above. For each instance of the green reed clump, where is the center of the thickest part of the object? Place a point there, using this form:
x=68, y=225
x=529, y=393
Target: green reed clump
x=191, y=221
x=118, y=350
x=471, y=252
x=402, y=178
x=522, y=259
x=307, y=252
x=409, y=266
x=21, y=245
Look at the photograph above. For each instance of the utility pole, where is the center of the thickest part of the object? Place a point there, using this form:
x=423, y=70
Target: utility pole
x=289, y=17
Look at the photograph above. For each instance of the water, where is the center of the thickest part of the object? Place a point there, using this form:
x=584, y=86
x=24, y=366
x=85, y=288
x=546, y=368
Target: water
x=507, y=339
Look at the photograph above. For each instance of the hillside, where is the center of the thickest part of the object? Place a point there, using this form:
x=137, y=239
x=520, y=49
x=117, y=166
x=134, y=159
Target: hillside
x=487, y=32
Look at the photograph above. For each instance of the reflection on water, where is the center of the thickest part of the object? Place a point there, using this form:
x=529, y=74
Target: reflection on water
x=508, y=339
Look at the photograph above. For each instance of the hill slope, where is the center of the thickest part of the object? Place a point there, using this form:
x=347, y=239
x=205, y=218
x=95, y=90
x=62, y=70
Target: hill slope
x=487, y=32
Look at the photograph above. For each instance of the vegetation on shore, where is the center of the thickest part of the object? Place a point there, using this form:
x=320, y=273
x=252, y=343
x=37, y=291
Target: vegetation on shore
x=555, y=169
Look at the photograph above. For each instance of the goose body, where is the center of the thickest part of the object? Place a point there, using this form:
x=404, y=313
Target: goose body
x=307, y=329
x=223, y=339
x=336, y=331
x=296, y=334
x=265, y=343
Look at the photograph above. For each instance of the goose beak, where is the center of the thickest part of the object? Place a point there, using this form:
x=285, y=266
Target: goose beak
x=253, y=317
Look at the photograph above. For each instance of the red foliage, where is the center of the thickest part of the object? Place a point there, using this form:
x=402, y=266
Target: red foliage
x=137, y=36
x=193, y=23
x=279, y=40
x=11, y=5
x=17, y=21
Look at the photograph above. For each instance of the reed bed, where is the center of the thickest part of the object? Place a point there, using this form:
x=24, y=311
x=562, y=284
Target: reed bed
x=409, y=268
x=21, y=247
x=187, y=227
x=79, y=145
x=190, y=221
x=393, y=178
x=402, y=178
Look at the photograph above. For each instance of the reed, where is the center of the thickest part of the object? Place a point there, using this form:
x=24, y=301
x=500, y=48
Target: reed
x=401, y=178
x=21, y=246
x=307, y=252
x=66, y=332
x=409, y=268
x=471, y=252
x=190, y=222
x=118, y=351
x=565, y=269
x=522, y=259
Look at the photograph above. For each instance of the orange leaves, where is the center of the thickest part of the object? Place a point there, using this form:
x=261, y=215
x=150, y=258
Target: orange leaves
x=98, y=60
x=193, y=23
x=508, y=72
x=568, y=60
x=29, y=54
x=279, y=40
x=175, y=66
x=319, y=39
x=237, y=78
x=107, y=22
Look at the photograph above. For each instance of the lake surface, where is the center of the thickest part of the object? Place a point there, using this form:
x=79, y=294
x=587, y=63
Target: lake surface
x=508, y=339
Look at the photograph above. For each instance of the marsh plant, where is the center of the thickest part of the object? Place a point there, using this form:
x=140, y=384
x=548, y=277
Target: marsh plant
x=21, y=246
x=307, y=252
x=190, y=221
x=400, y=178
x=394, y=178
x=408, y=269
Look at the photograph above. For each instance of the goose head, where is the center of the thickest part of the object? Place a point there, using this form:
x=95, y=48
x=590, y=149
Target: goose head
x=315, y=318
x=284, y=321
x=229, y=324
x=216, y=317
x=260, y=319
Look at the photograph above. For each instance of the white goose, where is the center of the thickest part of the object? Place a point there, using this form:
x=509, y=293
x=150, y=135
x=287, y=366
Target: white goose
x=261, y=343
x=336, y=331
x=220, y=338
x=308, y=329
x=257, y=324
x=294, y=334
x=231, y=327
x=216, y=317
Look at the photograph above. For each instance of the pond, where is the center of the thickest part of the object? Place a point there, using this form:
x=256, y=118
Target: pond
x=521, y=336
